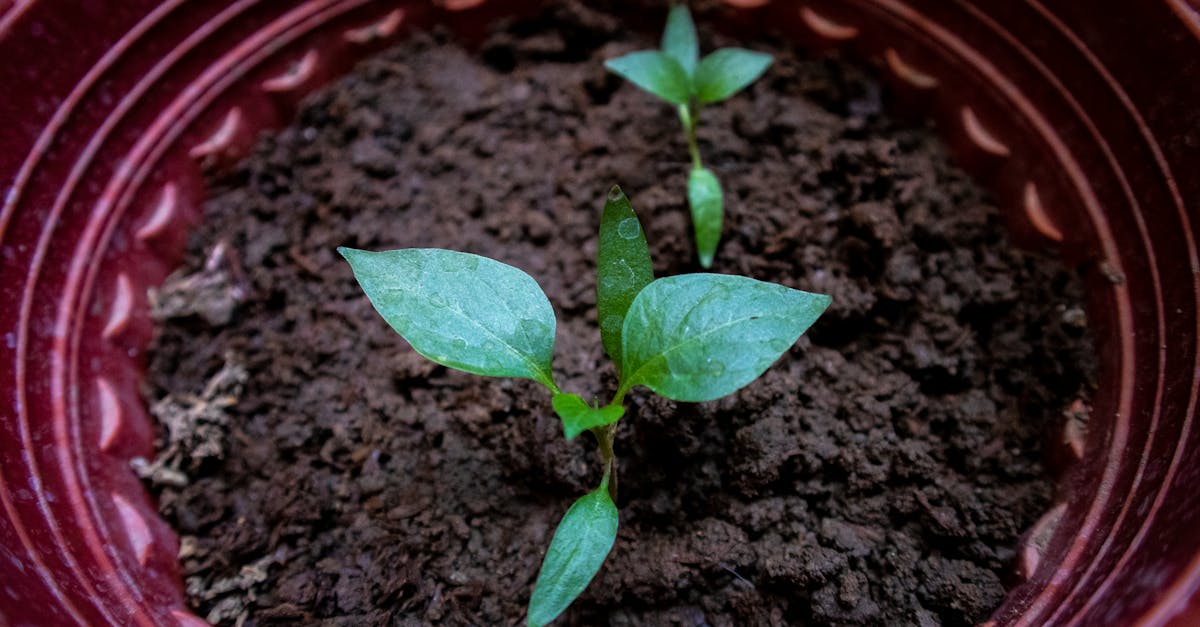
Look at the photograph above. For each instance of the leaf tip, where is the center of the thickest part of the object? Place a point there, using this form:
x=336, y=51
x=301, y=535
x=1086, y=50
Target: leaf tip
x=706, y=260
x=615, y=193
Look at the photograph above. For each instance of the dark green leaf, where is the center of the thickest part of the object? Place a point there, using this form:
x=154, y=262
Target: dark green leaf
x=460, y=310
x=704, y=198
x=679, y=39
x=622, y=268
x=581, y=542
x=577, y=416
x=654, y=72
x=698, y=337
x=727, y=71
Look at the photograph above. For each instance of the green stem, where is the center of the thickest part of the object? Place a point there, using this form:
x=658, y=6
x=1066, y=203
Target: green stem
x=689, y=114
x=605, y=436
x=547, y=379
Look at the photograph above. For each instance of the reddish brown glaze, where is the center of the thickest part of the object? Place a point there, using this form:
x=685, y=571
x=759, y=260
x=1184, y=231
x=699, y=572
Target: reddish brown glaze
x=1083, y=118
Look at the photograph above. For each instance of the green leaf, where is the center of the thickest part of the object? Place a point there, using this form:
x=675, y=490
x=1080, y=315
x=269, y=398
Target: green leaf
x=727, y=71
x=622, y=268
x=698, y=337
x=679, y=39
x=704, y=198
x=577, y=416
x=460, y=310
x=654, y=72
x=581, y=542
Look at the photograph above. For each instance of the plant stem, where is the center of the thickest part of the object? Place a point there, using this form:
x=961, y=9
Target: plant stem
x=604, y=438
x=689, y=114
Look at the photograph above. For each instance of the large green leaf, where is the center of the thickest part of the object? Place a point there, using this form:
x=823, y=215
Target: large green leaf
x=577, y=416
x=698, y=337
x=654, y=72
x=581, y=542
x=679, y=39
x=704, y=199
x=622, y=268
x=727, y=71
x=461, y=310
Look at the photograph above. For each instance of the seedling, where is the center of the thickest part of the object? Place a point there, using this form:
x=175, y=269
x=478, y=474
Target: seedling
x=678, y=75
x=693, y=338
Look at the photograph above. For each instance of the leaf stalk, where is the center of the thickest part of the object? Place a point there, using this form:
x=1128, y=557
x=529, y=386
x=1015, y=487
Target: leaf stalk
x=689, y=114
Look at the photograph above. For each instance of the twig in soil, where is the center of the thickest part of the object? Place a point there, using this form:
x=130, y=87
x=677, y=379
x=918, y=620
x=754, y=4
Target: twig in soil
x=196, y=426
x=735, y=573
x=212, y=294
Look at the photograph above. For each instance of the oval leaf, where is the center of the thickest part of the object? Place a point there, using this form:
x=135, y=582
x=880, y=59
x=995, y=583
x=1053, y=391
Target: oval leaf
x=654, y=72
x=461, y=310
x=581, y=542
x=679, y=39
x=698, y=337
x=622, y=268
x=727, y=71
x=704, y=199
x=577, y=416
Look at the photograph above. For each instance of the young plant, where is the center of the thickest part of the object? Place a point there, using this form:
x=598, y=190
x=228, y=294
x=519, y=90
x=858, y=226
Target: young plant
x=694, y=337
x=678, y=75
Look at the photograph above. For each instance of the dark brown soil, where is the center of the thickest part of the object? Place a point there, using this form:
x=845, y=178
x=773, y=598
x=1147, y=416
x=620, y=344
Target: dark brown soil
x=319, y=471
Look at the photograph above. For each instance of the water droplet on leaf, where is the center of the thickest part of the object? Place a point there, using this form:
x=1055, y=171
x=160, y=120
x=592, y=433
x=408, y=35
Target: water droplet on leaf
x=629, y=228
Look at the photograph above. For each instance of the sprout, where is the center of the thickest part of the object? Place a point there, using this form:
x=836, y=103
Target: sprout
x=692, y=338
x=678, y=75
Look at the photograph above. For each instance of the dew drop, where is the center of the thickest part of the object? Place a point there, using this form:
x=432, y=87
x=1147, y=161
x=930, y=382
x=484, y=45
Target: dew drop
x=716, y=368
x=615, y=193
x=459, y=344
x=437, y=300
x=629, y=228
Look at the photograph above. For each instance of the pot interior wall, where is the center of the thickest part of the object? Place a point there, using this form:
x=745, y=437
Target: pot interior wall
x=1081, y=121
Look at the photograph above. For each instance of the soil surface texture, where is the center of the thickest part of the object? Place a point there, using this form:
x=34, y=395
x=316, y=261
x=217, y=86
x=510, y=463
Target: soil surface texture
x=321, y=472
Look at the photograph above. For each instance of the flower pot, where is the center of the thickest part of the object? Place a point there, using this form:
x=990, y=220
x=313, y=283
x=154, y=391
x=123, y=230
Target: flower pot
x=1081, y=122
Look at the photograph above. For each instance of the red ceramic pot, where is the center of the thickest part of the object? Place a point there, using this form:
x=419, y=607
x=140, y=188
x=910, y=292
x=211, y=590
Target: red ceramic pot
x=1082, y=117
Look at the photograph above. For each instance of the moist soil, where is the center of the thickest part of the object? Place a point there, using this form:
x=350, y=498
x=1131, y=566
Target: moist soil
x=319, y=471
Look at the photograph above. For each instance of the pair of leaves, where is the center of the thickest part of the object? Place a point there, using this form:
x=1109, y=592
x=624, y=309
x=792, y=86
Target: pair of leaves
x=676, y=73
x=698, y=337
x=692, y=337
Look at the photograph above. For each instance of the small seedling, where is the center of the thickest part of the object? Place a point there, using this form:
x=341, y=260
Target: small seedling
x=693, y=337
x=678, y=75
